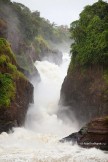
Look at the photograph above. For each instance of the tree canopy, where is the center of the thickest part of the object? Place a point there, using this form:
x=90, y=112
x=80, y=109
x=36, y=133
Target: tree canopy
x=25, y=30
x=90, y=34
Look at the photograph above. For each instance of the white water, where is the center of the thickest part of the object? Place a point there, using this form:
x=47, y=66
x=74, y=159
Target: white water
x=37, y=141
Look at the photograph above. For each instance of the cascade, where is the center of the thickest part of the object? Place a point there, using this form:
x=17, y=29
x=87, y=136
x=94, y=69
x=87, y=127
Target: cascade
x=38, y=140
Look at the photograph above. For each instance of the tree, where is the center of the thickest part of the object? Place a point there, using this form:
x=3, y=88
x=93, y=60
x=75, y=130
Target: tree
x=90, y=34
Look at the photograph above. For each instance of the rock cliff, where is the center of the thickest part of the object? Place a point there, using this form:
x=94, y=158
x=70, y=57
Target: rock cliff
x=93, y=134
x=85, y=89
x=85, y=93
x=16, y=92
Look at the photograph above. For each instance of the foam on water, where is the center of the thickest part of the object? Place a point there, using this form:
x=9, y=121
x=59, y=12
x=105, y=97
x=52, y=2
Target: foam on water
x=27, y=146
x=38, y=140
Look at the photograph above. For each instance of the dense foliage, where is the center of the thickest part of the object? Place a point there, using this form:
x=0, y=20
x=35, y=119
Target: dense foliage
x=7, y=89
x=25, y=29
x=8, y=74
x=5, y=49
x=90, y=34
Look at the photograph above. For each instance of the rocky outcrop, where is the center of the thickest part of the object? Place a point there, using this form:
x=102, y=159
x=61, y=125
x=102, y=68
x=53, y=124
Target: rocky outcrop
x=54, y=56
x=30, y=35
x=94, y=134
x=16, y=92
x=51, y=55
x=14, y=114
x=85, y=93
x=26, y=62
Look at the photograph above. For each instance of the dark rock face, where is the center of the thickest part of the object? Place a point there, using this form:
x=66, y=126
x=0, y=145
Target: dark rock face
x=85, y=93
x=75, y=137
x=27, y=68
x=13, y=103
x=56, y=57
x=71, y=138
x=51, y=55
x=15, y=114
x=31, y=76
x=94, y=134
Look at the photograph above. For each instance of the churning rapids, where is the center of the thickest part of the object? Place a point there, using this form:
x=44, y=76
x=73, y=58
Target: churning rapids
x=38, y=140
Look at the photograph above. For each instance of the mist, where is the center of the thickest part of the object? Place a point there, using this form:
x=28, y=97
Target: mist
x=42, y=116
x=13, y=34
x=37, y=140
x=60, y=12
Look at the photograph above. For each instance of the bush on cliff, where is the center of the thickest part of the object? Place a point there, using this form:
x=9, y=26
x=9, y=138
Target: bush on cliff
x=16, y=92
x=90, y=34
x=23, y=29
x=85, y=88
x=8, y=73
x=5, y=49
x=7, y=89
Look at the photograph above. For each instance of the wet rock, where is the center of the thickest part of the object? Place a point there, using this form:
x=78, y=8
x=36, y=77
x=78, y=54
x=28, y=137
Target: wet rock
x=75, y=137
x=14, y=114
x=16, y=92
x=71, y=138
x=51, y=55
x=84, y=93
x=94, y=134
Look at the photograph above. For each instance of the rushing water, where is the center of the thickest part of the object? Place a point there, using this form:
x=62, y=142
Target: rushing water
x=38, y=140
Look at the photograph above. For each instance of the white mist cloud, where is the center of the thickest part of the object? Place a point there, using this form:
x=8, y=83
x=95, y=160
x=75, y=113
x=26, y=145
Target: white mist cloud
x=58, y=11
x=42, y=116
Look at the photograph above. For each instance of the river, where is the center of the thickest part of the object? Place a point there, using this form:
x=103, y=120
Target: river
x=37, y=140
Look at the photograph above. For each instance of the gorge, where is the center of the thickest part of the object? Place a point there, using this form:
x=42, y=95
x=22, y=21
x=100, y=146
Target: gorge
x=38, y=140
x=53, y=105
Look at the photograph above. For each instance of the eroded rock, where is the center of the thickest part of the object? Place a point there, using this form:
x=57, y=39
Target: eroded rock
x=16, y=92
x=94, y=134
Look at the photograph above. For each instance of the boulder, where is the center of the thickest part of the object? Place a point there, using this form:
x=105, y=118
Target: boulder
x=93, y=134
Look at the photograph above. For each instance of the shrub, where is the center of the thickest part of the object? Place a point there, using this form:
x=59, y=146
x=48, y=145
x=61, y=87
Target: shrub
x=7, y=89
x=4, y=59
x=5, y=49
x=90, y=34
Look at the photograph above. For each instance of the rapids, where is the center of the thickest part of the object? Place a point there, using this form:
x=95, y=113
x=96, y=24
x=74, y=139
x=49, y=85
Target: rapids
x=38, y=140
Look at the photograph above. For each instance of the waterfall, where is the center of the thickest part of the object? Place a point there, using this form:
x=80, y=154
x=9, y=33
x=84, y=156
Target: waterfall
x=38, y=140
x=41, y=116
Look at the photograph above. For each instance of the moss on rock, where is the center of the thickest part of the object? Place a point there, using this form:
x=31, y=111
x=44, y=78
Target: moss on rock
x=7, y=89
x=16, y=92
x=8, y=74
x=6, y=49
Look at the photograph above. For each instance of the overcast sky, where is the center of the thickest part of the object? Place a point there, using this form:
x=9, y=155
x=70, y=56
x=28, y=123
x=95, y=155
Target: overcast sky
x=62, y=12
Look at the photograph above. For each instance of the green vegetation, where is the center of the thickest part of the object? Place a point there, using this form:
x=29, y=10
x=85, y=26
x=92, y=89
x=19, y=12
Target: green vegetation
x=40, y=41
x=12, y=68
x=40, y=44
x=4, y=59
x=105, y=76
x=29, y=33
x=90, y=34
x=8, y=74
x=5, y=48
x=7, y=89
